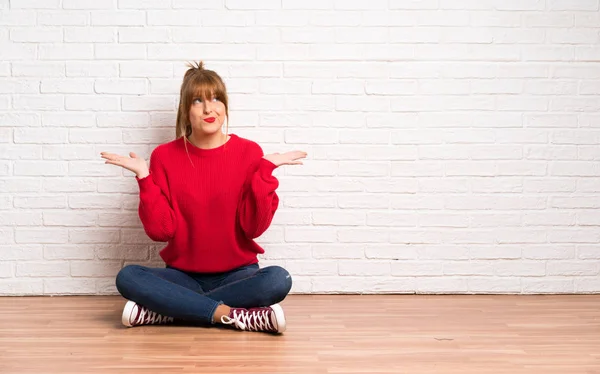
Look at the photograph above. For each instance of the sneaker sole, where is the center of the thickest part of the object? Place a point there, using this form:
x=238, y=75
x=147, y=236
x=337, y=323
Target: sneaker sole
x=279, y=318
x=127, y=310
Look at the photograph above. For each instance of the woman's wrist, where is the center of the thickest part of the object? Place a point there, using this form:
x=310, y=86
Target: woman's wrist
x=142, y=174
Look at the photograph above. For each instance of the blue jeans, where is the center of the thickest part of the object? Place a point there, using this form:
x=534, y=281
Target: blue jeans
x=194, y=297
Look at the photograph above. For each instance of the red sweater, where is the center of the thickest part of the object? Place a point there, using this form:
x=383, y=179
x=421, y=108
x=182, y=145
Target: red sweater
x=208, y=204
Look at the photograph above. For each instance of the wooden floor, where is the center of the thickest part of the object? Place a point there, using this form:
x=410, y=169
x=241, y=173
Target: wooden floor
x=326, y=334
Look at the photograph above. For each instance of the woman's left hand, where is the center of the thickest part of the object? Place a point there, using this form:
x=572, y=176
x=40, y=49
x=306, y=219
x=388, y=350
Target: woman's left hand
x=288, y=158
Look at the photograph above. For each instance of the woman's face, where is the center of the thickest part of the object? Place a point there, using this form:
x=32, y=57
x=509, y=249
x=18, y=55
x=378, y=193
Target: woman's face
x=207, y=115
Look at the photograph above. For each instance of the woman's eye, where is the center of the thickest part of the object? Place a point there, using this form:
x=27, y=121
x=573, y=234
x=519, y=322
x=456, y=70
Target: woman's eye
x=198, y=100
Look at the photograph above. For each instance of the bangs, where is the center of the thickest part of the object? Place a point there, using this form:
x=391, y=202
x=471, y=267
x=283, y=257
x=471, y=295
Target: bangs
x=206, y=87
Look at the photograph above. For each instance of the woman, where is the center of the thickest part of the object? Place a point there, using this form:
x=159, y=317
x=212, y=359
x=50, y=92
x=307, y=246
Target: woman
x=208, y=194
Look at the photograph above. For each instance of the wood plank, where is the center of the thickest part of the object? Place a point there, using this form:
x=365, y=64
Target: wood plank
x=326, y=334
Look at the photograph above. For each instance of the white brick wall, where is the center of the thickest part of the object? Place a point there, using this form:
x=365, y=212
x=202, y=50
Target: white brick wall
x=453, y=144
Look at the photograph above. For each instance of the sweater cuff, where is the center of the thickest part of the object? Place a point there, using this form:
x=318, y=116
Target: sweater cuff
x=146, y=182
x=266, y=166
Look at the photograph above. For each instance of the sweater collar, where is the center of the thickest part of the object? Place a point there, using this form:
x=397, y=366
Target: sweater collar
x=192, y=149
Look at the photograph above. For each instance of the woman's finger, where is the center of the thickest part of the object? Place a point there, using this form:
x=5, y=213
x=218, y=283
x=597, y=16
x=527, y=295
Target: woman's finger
x=292, y=162
x=110, y=156
x=300, y=154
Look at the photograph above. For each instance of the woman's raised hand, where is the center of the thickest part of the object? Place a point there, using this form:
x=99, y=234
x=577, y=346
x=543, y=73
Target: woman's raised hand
x=288, y=158
x=132, y=163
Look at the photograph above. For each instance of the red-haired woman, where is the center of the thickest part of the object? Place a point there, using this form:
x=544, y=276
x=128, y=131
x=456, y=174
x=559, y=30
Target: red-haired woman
x=208, y=194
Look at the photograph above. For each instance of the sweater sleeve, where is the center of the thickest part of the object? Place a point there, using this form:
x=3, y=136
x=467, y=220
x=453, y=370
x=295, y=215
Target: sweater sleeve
x=155, y=210
x=259, y=199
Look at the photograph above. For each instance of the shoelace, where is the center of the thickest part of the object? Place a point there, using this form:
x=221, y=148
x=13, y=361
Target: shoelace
x=251, y=321
x=149, y=317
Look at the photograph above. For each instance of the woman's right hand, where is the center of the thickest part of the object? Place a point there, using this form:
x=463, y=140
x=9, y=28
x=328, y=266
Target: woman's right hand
x=132, y=163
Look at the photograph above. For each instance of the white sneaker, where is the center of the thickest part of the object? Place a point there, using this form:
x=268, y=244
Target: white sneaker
x=135, y=315
x=269, y=319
